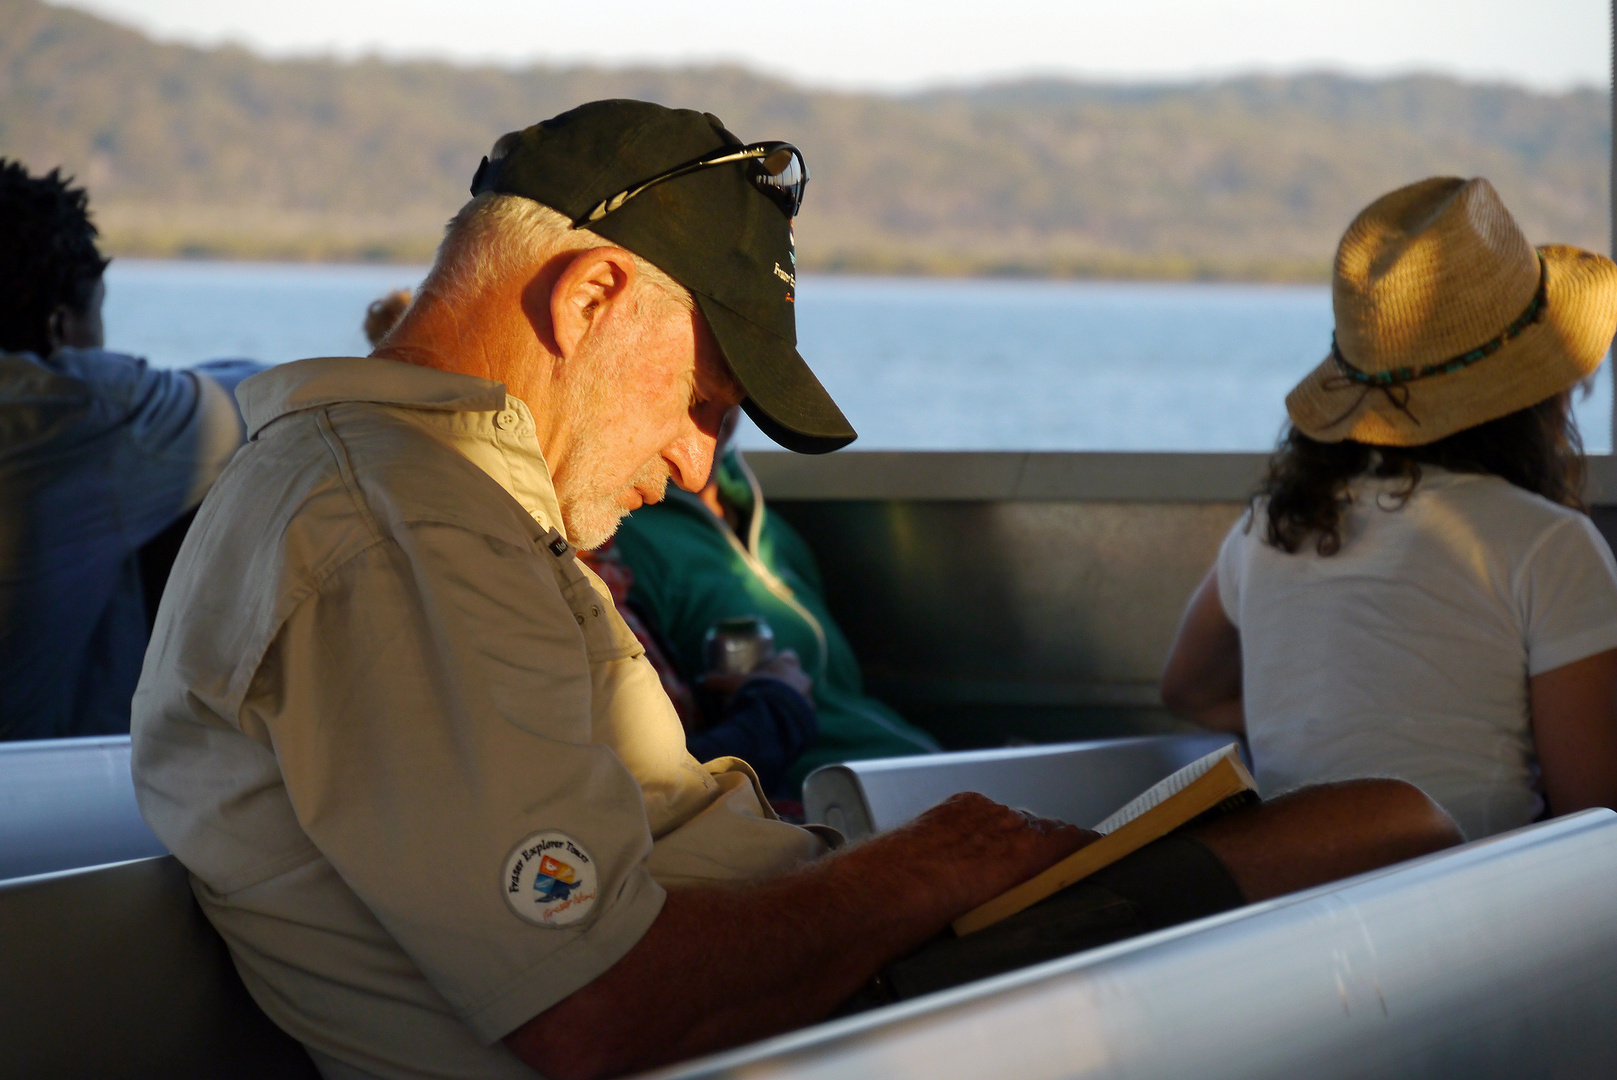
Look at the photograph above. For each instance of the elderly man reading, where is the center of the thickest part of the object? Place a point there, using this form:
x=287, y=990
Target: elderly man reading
x=427, y=786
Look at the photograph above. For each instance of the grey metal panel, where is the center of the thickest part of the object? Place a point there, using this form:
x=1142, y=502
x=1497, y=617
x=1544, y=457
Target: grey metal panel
x=1034, y=593
x=996, y=597
x=994, y=476
x=1140, y=477
x=1498, y=959
x=880, y=474
x=114, y=972
x=1082, y=783
x=66, y=803
x=1601, y=485
x=996, y=620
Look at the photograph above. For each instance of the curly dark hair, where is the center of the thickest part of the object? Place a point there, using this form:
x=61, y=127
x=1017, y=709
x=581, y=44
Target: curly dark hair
x=1537, y=449
x=48, y=255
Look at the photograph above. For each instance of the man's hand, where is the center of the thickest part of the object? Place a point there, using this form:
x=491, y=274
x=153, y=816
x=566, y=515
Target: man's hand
x=968, y=849
x=756, y=960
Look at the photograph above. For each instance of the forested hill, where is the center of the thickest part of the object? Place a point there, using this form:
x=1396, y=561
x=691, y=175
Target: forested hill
x=219, y=151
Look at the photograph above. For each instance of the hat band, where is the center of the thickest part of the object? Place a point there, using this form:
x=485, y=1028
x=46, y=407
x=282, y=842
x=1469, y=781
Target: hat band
x=1394, y=382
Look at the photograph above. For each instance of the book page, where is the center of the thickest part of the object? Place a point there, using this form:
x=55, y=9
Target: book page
x=1166, y=787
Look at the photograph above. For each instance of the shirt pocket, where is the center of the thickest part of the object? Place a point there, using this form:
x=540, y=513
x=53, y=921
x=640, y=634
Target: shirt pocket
x=606, y=635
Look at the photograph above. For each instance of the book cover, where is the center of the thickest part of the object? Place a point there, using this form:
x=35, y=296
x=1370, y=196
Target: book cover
x=1213, y=784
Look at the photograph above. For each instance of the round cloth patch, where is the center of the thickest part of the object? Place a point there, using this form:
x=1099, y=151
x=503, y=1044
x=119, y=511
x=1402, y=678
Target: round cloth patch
x=549, y=880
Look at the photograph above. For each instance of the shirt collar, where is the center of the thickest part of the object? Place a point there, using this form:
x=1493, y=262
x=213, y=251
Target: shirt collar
x=328, y=380
x=1432, y=478
x=501, y=445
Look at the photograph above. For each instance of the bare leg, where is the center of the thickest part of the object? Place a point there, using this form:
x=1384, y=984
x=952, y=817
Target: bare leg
x=1323, y=833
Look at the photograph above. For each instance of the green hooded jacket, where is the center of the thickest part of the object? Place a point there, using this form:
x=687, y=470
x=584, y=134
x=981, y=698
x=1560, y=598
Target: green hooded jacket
x=691, y=570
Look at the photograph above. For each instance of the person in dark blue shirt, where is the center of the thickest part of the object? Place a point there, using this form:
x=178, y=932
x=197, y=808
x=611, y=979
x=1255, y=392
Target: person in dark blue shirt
x=99, y=455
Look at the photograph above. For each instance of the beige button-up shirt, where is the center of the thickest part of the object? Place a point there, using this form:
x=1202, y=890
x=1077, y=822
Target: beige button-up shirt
x=423, y=777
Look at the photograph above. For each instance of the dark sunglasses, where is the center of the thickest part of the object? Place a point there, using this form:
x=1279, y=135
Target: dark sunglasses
x=777, y=168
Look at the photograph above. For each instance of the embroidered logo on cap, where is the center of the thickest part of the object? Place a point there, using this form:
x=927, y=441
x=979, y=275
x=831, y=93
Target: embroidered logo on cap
x=789, y=276
x=549, y=880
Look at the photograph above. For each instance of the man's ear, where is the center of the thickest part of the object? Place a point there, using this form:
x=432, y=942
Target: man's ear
x=589, y=287
x=58, y=326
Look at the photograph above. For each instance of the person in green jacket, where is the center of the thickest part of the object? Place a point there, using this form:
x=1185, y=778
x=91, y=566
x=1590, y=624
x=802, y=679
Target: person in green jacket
x=701, y=558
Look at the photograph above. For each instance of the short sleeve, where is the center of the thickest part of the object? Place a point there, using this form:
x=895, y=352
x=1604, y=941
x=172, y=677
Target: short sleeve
x=430, y=709
x=1231, y=567
x=1567, y=593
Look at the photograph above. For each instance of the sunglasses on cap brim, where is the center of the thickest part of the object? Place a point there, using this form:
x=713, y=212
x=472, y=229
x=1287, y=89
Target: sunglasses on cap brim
x=776, y=168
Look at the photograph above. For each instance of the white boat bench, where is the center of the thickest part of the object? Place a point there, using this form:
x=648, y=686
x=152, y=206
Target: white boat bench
x=1498, y=959
x=66, y=803
x=113, y=972
x=1080, y=782
x=1493, y=961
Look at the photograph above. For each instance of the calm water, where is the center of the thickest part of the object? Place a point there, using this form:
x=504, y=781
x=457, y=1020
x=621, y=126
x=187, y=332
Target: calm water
x=916, y=364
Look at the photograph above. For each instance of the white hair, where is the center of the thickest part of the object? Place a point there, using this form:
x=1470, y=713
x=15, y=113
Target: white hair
x=494, y=236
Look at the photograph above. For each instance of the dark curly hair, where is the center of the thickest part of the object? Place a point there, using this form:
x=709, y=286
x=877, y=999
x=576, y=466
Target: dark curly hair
x=48, y=255
x=1537, y=449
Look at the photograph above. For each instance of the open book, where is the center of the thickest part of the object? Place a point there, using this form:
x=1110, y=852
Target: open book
x=1214, y=784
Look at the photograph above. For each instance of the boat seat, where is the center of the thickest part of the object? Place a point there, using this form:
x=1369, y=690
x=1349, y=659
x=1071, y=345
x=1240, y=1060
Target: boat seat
x=1081, y=782
x=66, y=803
x=113, y=972
x=1493, y=961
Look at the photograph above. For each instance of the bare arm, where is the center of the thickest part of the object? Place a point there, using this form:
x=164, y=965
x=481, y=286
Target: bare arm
x=1202, y=680
x=1574, y=712
x=725, y=966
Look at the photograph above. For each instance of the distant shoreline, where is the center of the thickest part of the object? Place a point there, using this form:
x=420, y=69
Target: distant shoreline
x=939, y=265
x=219, y=153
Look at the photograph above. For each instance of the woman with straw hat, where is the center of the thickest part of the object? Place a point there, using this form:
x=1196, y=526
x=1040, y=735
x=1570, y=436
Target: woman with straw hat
x=1417, y=591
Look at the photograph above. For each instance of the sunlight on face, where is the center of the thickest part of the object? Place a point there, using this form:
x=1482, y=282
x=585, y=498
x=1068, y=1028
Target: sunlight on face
x=593, y=514
x=645, y=405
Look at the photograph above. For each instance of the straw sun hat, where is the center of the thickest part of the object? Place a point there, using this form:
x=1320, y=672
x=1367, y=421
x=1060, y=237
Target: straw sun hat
x=1446, y=317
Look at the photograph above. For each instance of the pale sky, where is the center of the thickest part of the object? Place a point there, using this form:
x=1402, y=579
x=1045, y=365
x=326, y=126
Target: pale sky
x=902, y=44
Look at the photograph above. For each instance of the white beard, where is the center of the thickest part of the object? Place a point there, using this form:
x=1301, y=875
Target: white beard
x=593, y=514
